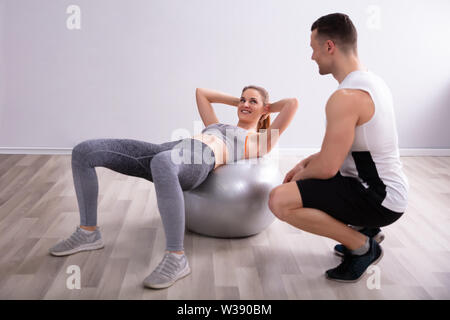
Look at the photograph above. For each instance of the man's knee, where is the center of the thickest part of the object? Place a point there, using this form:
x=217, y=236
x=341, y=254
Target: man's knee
x=273, y=199
x=282, y=199
x=277, y=203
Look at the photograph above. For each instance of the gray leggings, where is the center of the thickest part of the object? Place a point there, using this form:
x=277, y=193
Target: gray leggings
x=153, y=162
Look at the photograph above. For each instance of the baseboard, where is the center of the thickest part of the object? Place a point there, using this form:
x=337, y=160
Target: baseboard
x=280, y=151
x=35, y=150
x=425, y=152
x=403, y=152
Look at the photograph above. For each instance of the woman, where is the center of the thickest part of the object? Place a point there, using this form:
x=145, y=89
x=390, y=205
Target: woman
x=155, y=162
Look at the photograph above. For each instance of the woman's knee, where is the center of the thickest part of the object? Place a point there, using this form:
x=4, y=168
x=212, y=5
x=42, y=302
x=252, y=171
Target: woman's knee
x=162, y=162
x=82, y=149
x=85, y=147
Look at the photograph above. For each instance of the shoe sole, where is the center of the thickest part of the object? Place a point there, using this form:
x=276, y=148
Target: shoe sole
x=356, y=280
x=183, y=274
x=378, y=238
x=92, y=246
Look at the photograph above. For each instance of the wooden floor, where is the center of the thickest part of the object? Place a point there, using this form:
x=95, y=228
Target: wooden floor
x=38, y=207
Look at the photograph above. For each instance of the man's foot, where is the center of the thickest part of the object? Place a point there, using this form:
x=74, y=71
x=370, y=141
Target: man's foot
x=374, y=233
x=353, y=266
x=80, y=240
x=172, y=268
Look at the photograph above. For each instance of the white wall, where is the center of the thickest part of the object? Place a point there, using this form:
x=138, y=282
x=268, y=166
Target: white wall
x=2, y=65
x=132, y=69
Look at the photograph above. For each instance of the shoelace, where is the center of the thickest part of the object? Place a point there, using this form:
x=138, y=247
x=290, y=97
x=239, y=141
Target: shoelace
x=347, y=260
x=344, y=265
x=167, y=267
x=75, y=238
x=350, y=259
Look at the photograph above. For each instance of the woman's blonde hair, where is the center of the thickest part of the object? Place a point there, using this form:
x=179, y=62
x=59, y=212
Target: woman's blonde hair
x=262, y=123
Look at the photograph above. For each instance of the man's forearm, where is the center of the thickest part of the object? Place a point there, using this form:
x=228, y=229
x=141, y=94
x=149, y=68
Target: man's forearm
x=315, y=169
x=313, y=156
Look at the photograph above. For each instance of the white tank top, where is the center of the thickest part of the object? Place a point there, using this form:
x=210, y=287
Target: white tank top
x=374, y=156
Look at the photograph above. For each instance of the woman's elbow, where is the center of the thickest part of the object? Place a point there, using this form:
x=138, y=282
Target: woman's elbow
x=294, y=102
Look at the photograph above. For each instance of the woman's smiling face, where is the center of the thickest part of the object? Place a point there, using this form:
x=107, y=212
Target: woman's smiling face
x=251, y=105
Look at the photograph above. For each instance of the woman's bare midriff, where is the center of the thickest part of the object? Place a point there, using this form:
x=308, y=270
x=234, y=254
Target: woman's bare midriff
x=216, y=144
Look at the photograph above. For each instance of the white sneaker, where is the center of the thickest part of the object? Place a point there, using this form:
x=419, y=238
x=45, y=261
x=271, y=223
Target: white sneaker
x=172, y=268
x=78, y=241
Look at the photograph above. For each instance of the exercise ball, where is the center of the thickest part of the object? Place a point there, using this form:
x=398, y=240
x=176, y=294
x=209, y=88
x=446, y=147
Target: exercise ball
x=233, y=200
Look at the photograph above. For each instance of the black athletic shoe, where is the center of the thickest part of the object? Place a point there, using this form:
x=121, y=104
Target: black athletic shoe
x=374, y=233
x=353, y=267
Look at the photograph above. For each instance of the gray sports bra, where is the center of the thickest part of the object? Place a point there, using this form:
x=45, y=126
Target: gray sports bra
x=235, y=139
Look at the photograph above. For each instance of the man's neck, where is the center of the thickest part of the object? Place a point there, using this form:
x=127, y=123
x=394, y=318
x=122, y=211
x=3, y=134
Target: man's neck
x=347, y=65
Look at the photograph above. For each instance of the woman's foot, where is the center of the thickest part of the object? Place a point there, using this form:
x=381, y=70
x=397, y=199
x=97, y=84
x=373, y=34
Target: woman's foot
x=172, y=268
x=80, y=240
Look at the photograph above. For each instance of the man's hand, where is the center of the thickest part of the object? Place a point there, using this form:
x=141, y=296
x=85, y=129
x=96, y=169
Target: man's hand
x=294, y=171
x=290, y=175
x=298, y=175
x=293, y=175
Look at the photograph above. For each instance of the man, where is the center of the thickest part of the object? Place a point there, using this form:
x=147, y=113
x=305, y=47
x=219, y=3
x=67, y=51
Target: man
x=356, y=178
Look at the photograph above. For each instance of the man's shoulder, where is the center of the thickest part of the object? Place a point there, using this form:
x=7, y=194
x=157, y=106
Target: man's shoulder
x=349, y=95
x=345, y=99
x=348, y=99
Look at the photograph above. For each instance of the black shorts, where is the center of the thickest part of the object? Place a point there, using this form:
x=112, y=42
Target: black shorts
x=347, y=200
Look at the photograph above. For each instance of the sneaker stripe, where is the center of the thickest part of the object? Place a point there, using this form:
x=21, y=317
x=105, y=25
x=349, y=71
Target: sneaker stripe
x=84, y=247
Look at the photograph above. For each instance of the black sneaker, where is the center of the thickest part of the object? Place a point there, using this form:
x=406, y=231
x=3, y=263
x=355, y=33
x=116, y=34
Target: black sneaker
x=374, y=233
x=353, y=267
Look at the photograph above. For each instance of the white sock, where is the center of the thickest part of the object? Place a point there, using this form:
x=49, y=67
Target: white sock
x=363, y=249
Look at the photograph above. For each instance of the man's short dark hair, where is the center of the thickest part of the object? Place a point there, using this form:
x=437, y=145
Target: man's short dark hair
x=337, y=27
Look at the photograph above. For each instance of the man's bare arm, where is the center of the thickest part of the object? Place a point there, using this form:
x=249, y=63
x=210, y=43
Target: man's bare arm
x=342, y=112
